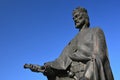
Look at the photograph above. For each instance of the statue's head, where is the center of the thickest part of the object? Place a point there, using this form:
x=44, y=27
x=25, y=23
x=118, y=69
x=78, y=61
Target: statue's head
x=80, y=18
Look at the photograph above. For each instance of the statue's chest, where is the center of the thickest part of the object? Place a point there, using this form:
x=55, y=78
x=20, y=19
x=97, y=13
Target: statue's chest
x=83, y=39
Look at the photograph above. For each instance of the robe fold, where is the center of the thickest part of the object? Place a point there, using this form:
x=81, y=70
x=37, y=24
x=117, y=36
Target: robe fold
x=88, y=47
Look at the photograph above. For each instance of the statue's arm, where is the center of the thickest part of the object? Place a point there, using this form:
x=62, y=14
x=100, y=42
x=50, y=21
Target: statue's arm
x=62, y=62
x=35, y=68
x=46, y=70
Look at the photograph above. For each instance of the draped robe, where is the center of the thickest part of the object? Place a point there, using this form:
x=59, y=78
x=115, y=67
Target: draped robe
x=88, y=47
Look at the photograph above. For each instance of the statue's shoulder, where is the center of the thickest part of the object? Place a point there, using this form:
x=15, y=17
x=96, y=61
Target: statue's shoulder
x=97, y=30
x=91, y=31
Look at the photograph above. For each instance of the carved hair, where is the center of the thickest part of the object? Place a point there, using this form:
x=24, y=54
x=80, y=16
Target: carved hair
x=84, y=11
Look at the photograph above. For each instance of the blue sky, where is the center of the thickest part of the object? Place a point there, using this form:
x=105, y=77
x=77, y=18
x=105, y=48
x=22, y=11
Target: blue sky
x=36, y=31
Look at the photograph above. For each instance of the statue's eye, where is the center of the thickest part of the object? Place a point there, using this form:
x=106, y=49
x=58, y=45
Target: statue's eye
x=76, y=16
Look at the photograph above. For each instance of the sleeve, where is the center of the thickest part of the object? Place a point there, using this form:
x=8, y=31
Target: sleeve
x=62, y=62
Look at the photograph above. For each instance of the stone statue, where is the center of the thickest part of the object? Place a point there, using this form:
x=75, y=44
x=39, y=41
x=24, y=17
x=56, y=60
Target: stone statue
x=84, y=58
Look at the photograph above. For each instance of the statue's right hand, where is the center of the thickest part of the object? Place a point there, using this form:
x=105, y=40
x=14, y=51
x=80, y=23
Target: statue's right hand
x=48, y=71
x=37, y=68
x=47, y=64
x=33, y=68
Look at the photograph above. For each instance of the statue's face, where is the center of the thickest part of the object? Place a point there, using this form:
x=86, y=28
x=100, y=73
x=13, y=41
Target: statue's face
x=79, y=19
